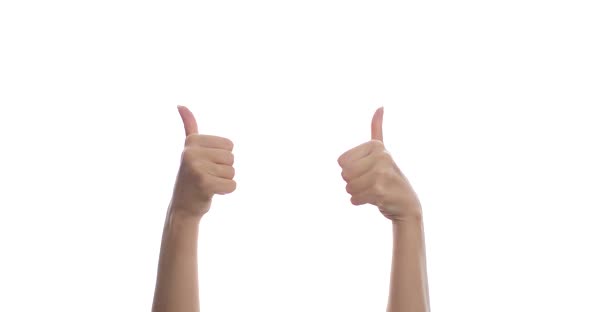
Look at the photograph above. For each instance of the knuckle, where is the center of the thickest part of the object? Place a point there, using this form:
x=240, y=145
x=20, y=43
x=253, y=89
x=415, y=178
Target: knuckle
x=377, y=185
x=341, y=161
x=187, y=153
x=355, y=200
x=188, y=157
x=223, y=143
x=230, y=158
x=227, y=188
x=230, y=144
x=199, y=172
x=205, y=183
x=192, y=139
x=191, y=153
x=349, y=188
x=193, y=163
x=385, y=156
x=233, y=186
x=378, y=190
x=380, y=183
x=376, y=145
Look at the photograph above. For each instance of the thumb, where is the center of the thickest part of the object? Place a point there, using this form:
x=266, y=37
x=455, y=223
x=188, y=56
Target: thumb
x=377, y=125
x=188, y=119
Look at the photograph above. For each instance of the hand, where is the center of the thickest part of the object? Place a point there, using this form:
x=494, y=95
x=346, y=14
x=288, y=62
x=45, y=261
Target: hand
x=372, y=177
x=206, y=168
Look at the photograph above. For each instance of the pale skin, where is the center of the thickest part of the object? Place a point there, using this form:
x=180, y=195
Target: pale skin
x=371, y=176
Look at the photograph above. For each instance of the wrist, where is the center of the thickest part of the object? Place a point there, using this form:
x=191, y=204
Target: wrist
x=409, y=230
x=187, y=211
x=178, y=224
x=188, y=207
x=409, y=219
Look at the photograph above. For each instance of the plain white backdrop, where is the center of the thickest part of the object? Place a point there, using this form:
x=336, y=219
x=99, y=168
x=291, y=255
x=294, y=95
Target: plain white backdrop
x=486, y=112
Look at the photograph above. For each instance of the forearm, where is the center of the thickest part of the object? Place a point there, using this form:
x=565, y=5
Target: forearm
x=177, y=282
x=409, y=284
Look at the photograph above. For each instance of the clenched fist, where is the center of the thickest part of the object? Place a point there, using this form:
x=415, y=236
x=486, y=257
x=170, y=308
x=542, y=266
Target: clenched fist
x=372, y=177
x=206, y=168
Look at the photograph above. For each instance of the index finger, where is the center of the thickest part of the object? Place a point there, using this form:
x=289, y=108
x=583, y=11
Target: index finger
x=358, y=152
x=210, y=141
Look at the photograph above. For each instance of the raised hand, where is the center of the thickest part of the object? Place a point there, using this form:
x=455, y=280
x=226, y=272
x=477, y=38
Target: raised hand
x=206, y=168
x=373, y=177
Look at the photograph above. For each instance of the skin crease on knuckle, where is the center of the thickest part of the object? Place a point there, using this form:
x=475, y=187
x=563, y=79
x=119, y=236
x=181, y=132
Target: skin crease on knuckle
x=223, y=171
x=208, y=185
x=233, y=186
x=350, y=176
x=226, y=172
x=230, y=144
x=349, y=173
x=356, y=185
x=219, y=142
x=208, y=141
x=361, y=185
x=217, y=156
x=193, y=140
x=344, y=175
x=364, y=165
x=230, y=158
x=197, y=165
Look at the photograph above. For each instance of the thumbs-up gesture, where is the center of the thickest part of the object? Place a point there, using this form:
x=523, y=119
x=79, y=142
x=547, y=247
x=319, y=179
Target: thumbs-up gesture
x=206, y=168
x=372, y=177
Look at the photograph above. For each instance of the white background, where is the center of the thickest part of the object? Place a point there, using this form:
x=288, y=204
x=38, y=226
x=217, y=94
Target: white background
x=485, y=111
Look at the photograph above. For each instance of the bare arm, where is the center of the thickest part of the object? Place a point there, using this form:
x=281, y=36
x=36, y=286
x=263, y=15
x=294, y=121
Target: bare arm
x=206, y=169
x=177, y=286
x=373, y=178
x=408, y=290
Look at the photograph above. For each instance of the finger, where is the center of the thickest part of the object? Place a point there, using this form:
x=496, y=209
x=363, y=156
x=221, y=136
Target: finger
x=359, y=152
x=210, y=141
x=362, y=183
x=377, y=125
x=362, y=198
x=221, y=171
x=222, y=186
x=359, y=167
x=188, y=119
x=217, y=156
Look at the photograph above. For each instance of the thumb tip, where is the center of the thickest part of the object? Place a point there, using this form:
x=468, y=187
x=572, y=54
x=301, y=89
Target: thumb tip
x=180, y=108
x=378, y=113
x=188, y=120
x=377, y=125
